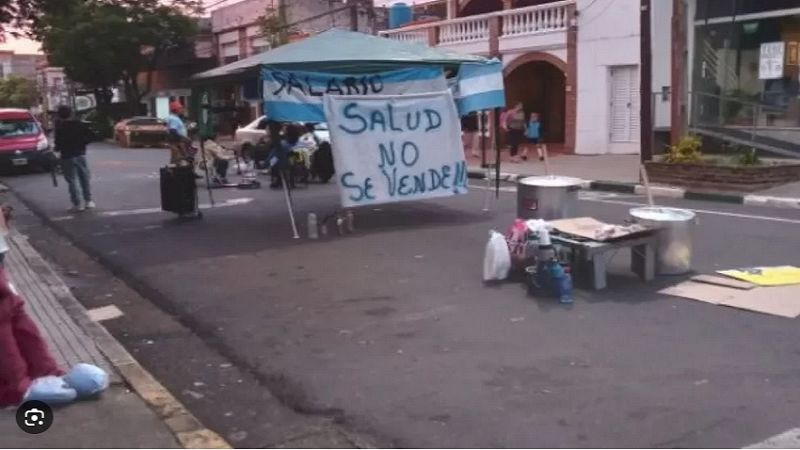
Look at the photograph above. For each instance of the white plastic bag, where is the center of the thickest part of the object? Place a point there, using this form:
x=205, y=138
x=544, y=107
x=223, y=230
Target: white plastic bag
x=87, y=379
x=497, y=258
x=51, y=390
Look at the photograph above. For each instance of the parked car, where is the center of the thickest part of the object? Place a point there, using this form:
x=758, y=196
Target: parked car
x=23, y=142
x=248, y=136
x=140, y=132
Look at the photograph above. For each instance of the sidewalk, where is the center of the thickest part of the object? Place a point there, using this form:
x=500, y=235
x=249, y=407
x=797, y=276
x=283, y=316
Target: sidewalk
x=620, y=173
x=616, y=168
x=120, y=418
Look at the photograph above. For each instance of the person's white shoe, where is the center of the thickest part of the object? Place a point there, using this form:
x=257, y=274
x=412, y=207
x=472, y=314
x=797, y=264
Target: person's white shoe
x=76, y=209
x=91, y=204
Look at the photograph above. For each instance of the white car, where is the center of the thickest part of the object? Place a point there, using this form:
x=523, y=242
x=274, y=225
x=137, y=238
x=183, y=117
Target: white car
x=249, y=135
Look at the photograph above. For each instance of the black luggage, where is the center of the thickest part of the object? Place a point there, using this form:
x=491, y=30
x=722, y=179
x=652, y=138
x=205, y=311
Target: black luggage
x=178, y=190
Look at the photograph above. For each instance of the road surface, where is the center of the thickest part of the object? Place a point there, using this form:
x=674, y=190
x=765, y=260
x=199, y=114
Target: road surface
x=391, y=333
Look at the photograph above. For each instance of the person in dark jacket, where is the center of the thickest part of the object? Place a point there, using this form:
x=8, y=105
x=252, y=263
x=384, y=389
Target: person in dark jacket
x=71, y=138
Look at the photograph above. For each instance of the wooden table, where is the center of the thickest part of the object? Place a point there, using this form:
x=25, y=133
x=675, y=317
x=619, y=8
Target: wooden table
x=590, y=257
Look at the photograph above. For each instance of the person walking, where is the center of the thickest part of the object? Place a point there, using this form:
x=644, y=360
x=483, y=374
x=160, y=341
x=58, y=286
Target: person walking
x=515, y=125
x=71, y=138
x=534, y=135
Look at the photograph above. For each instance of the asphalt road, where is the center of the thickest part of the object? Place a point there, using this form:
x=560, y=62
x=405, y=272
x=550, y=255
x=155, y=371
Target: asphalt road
x=391, y=332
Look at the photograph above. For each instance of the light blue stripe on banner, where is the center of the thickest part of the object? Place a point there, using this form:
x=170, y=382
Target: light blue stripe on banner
x=294, y=112
x=480, y=102
x=320, y=80
x=468, y=71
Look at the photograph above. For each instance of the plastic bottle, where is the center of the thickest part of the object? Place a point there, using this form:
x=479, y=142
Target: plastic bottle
x=351, y=227
x=564, y=285
x=312, y=226
x=340, y=224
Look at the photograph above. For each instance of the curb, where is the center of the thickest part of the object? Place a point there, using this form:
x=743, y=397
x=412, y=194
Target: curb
x=195, y=440
x=186, y=428
x=663, y=191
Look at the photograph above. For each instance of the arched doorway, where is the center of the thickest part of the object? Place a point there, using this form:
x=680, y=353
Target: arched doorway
x=541, y=87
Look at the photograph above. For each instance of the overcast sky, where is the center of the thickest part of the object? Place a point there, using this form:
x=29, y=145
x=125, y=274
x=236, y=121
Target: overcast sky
x=29, y=46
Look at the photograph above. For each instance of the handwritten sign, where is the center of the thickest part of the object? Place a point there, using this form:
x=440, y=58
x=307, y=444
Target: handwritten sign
x=770, y=60
x=296, y=96
x=396, y=148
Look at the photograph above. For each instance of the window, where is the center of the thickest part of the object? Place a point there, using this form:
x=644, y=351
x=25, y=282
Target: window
x=731, y=87
x=18, y=127
x=714, y=9
x=258, y=45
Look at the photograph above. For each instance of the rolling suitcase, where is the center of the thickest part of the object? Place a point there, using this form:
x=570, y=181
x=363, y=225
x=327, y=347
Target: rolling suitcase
x=178, y=190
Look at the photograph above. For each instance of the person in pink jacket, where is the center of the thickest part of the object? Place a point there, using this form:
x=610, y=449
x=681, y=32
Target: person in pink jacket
x=23, y=351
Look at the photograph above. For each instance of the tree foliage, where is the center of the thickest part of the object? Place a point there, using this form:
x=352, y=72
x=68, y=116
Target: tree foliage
x=18, y=92
x=105, y=42
x=29, y=15
x=274, y=26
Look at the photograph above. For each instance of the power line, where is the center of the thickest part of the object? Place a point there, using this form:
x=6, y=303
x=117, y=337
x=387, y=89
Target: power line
x=214, y=5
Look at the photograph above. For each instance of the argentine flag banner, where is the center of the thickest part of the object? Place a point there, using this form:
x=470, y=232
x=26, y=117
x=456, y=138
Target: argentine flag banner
x=479, y=87
x=297, y=96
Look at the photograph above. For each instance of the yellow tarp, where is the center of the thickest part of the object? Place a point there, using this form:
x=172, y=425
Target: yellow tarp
x=766, y=276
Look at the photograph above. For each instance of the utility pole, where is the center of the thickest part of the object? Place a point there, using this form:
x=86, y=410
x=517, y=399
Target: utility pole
x=646, y=84
x=353, y=15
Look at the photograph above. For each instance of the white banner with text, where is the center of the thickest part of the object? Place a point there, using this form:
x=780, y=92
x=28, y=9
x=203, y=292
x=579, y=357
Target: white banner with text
x=396, y=148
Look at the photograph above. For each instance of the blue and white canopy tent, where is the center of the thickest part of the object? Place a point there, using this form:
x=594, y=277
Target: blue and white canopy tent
x=295, y=77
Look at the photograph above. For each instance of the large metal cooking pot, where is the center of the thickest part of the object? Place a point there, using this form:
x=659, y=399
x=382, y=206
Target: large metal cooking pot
x=674, y=252
x=547, y=197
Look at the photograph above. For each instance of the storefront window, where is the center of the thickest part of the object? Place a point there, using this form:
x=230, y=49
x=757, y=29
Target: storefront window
x=746, y=69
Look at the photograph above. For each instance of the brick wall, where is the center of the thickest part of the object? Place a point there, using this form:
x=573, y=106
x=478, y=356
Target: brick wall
x=736, y=178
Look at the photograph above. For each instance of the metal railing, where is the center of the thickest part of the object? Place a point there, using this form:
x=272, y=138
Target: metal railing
x=527, y=21
x=744, y=122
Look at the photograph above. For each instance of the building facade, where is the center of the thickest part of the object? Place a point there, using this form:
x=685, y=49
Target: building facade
x=168, y=82
x=237, y=28
x=575, y=62
x=22, y=65
x=237, y=31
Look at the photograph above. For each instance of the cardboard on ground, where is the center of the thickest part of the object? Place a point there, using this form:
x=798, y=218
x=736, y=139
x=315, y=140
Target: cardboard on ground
x=766, y=276
x=783, y=301
x=589, y=228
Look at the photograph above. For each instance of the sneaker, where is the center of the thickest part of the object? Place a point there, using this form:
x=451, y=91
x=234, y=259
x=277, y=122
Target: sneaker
x=77, y=209
x=91, y=204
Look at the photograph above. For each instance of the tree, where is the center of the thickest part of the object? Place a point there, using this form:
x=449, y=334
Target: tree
x=18, y=92
x=103, y=43
x=275, y=27
x=29, y=14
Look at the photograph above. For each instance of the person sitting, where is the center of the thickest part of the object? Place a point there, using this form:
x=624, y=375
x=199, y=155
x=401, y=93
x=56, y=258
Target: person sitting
x=279, y=160
x=217, y=157
x=23, y=351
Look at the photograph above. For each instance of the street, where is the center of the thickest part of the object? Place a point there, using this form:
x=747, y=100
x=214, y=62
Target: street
x=390, y=332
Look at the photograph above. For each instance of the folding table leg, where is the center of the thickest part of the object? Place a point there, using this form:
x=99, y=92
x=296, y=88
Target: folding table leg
x=599, y=272
x=643, y=261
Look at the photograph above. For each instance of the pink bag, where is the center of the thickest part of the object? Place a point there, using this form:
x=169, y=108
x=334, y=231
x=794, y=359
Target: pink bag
x=516, y=237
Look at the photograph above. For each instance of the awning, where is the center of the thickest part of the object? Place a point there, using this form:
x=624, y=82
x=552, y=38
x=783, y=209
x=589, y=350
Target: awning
x=342, y=51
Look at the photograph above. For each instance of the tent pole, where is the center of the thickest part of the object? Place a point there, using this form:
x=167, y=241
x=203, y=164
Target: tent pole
x=497, y=152
x=205, y=166
x=289, y=205
x=482, y=123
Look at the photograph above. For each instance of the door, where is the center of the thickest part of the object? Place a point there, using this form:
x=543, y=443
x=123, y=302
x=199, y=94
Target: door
x=624, y=121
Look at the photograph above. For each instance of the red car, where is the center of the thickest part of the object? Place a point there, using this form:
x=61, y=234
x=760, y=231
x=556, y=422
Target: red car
x=140, y=132
x=23, y=142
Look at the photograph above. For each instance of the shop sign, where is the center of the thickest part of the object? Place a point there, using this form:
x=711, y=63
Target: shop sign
x=770, y=61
